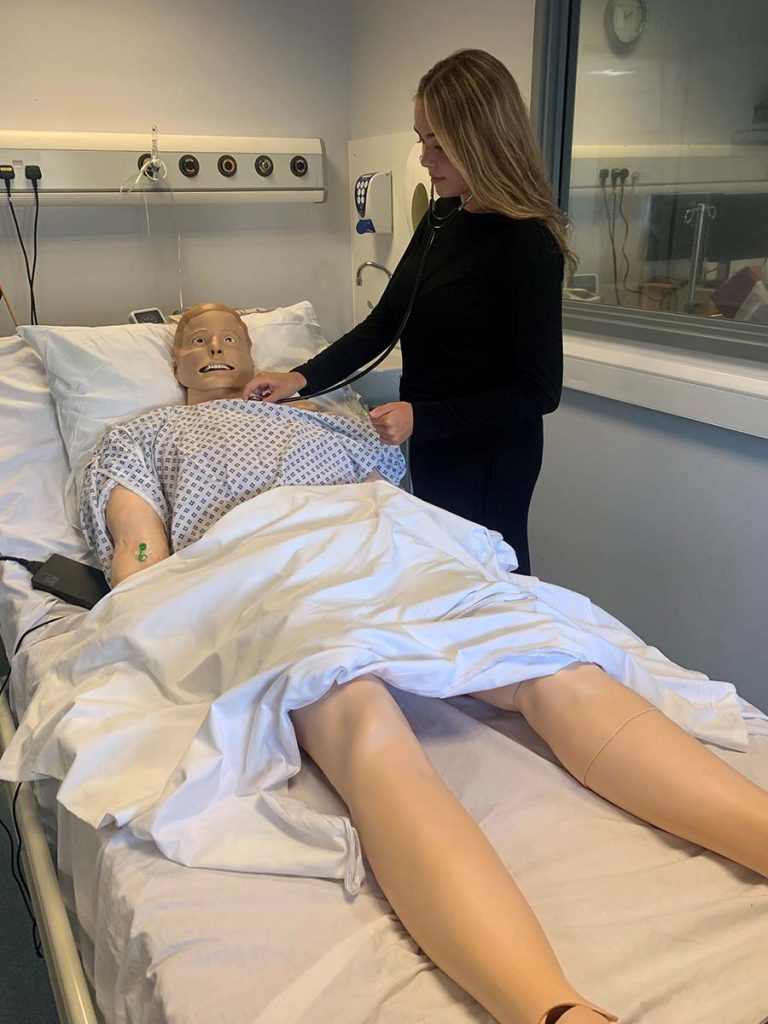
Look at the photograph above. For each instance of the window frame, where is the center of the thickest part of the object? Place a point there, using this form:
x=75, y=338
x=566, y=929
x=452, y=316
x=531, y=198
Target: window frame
x=556, y=46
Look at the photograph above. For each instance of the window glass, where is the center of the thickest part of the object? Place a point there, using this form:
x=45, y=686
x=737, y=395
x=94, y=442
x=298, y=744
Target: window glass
x=669, y=173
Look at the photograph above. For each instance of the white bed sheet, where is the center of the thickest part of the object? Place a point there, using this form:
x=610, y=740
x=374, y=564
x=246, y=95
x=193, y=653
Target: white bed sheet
x=644, y=923
x=168, y=712
x=33, y=473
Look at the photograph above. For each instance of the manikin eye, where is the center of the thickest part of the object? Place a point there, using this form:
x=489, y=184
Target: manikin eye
x=230, y=341
x=198, y=341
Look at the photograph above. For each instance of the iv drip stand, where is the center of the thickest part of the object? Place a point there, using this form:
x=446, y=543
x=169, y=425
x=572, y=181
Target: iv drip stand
x=697, y=215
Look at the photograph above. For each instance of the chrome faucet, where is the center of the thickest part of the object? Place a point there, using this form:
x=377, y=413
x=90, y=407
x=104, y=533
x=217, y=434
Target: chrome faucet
x=370, y=263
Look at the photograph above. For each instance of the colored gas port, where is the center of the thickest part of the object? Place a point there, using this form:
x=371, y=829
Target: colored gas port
x=149, y=172
x=227, y=166
x=189, y=165
x=299, y=166
x=264, y=166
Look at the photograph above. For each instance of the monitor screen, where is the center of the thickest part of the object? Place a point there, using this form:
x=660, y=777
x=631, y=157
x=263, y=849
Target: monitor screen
x=739, y=230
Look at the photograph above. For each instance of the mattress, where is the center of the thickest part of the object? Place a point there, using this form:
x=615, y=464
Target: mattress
x=644, y=923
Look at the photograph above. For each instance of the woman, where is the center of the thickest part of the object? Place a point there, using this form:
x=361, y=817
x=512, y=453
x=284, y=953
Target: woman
x=482, y=349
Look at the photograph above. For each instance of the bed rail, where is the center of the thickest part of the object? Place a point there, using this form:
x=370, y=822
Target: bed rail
x=68, y=982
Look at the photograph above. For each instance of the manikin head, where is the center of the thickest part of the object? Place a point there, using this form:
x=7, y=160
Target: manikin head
x=212, y=353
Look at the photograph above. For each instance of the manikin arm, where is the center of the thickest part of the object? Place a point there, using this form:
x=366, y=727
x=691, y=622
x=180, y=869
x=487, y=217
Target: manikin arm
x=138, y=534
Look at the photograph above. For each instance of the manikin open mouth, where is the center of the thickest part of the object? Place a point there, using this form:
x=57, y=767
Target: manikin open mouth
x=215, y=366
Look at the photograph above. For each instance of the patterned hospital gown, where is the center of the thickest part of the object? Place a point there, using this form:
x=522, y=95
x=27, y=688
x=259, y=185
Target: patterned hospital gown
x=193, y=463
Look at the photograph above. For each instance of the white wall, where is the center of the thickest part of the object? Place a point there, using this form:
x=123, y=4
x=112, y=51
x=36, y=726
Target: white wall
x=662, y=521
x=338, y=70
x=242, y=67
x=692, y=77
x=394, y=43
x=666, y=110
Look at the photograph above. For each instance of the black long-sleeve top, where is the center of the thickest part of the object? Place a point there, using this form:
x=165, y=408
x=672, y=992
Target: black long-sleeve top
x=482, y=348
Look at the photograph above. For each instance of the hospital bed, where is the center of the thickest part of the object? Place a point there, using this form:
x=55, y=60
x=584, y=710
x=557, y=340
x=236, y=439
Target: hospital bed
x=644, y=923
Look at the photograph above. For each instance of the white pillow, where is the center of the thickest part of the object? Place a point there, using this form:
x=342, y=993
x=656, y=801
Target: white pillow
x=33, y=464
x=102, y=375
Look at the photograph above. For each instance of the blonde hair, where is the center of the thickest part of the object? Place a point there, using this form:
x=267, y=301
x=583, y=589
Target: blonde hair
x=474, y=107
x=205, y=307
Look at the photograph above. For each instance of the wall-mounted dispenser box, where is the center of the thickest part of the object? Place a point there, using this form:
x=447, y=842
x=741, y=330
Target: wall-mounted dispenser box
x=373, y=202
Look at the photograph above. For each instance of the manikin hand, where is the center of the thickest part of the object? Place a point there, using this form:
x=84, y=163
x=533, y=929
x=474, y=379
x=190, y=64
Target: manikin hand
x=272, y=386
x=393, y=422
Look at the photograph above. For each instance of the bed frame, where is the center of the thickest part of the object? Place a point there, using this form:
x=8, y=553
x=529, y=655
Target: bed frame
x=71, y=991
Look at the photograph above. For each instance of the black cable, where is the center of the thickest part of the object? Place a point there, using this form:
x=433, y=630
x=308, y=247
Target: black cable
x=19, y=866
x=380, y=358
x=436, y=223
x=20, y=641
x=27, y=563
x=32, y=312
x=624, y=257
x=17, y=871
x=667, y=299
x=33, y=300
x=613, y=245
x=20, y=869
x=611, y=218
x=25, y=634
x=22, y=885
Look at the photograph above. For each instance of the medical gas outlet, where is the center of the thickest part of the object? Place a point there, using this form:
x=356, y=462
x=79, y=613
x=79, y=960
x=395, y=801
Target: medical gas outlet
x=373, y=202
x=90, y=167
x=189, y=165
x=227, y=165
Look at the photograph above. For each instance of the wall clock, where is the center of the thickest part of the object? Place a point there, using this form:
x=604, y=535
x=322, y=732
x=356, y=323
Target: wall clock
x=626, y=20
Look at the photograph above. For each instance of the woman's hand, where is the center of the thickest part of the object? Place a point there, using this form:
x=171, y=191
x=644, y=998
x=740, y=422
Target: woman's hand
x=393, y=422
x=271, y=387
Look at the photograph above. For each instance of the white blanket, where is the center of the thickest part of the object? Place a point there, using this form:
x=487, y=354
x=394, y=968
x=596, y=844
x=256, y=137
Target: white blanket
x=167, y=710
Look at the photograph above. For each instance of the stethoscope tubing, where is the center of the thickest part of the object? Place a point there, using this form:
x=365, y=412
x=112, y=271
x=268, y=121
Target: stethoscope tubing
x=435, y=224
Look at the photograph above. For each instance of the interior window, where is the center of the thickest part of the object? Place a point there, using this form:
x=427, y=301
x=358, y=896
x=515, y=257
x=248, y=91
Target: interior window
x=668, y=190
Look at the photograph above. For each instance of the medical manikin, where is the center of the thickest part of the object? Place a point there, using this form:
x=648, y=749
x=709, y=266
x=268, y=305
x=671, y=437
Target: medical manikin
x=441, y=875
x=157, y=483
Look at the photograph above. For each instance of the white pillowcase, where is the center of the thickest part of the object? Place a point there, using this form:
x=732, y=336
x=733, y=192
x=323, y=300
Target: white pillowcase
x=33, y=465
x=102, y=375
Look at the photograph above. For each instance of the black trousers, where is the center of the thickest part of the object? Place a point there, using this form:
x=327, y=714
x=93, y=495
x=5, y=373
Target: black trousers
x=486, y=477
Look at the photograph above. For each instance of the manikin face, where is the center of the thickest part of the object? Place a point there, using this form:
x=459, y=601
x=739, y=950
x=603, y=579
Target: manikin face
x=446, y=179
x=213, y=356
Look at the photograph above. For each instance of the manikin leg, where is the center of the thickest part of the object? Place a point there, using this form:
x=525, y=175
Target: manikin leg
x=616, y=743
x=441, y=875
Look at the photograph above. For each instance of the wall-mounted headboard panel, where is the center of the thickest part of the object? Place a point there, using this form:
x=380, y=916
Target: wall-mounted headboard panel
x=93, y=167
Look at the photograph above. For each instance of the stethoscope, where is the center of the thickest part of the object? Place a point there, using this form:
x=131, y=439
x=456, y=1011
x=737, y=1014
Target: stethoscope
x=436, y=222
